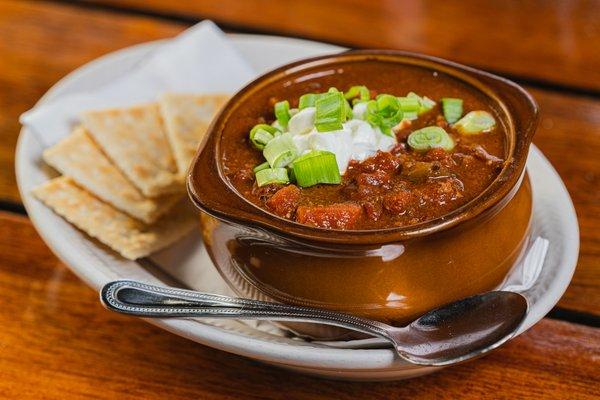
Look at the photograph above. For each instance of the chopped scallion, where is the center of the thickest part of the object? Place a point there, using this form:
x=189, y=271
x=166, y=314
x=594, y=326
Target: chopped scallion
x=278, y=128
x=307, y=100
x=271, y=175
x=358, y=94
x=348, y=108
x=291, y=176
x=387, y=103
x=316, y=166
x=410, y=115
x=282, y=113
x=431, y=137
x=475, y=122
x=452, y=108
x=280, y=151
x=425, y=102
x=261, y=138
x=409, y=104
x=331, y=112
x=260, y=167
x=262, y=134
x=384, y=112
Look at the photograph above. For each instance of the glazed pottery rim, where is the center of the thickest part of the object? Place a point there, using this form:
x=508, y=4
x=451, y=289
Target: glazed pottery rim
x=497, y=194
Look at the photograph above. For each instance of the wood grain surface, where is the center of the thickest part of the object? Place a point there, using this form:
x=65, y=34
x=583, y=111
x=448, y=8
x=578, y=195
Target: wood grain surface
x=57, y=342
x=563, y=121
x=541, y=40
x=42, y=42
x=32, y=62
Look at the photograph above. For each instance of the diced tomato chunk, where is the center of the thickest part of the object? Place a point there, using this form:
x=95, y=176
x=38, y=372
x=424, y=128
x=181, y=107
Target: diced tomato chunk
x=382, y=161
x=377, y=178
x=368, y=184
x=373, y=209
x=398, y=202
x=441, y=191
x=335, y=216
x=285, y=201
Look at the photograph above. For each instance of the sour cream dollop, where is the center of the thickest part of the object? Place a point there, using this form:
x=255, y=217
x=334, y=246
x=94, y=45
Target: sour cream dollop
x=357, y=140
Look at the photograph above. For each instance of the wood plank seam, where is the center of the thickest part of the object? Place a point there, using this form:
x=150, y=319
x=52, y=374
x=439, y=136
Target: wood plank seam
x=576, y=317
x=242, y=28
x=12, y=207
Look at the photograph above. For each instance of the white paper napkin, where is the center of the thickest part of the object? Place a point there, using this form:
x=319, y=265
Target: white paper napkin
x=200, y=60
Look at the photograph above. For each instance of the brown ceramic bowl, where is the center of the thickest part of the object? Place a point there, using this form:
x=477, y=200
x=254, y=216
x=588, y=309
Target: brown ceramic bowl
x=391, y=274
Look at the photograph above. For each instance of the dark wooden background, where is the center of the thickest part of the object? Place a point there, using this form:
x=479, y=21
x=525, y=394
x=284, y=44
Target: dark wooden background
x=57, y=342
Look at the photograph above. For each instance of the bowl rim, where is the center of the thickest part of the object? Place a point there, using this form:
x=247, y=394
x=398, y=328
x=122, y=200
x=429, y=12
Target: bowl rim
x=226, y=204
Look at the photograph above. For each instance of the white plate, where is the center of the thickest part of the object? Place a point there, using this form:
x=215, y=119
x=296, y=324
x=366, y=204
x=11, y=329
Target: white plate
x=187, y=261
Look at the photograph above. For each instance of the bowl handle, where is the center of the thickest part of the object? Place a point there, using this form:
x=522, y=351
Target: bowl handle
x=212, y=193
x=521, y=106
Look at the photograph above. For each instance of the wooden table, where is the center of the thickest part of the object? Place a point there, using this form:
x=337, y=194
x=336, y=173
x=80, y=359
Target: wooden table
x=56, y=340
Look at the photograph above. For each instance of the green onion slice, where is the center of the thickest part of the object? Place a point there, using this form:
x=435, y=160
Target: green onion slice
x=291, y=176
x=271, y=175
x=431, y=137
x=331, y=112
x=262, y=134
x=410, y=107
x=348, y=108
x=307, y=100
x=452, y=108
x=358, y=94
x=280, y=151
x=409, y=104
x=282, y=113
x=316, y=166
x=260, y=167
x=278, y=128
x=426, y=104
x=410, y=115
x=475, y=122
x=384, y=112
x=387, y=103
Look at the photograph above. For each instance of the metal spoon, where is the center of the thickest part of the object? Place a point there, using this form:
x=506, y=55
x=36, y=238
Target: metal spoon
x=450, y=334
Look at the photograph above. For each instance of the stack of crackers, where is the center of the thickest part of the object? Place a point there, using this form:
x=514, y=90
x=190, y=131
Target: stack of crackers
x=123, y=172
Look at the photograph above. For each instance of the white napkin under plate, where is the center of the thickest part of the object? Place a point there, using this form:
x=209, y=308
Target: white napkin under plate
x=199, y=60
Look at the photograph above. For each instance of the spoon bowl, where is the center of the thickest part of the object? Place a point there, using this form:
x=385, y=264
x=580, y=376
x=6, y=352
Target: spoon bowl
x=461, y=330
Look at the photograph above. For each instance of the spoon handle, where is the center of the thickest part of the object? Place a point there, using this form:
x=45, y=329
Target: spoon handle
x=149, y=301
